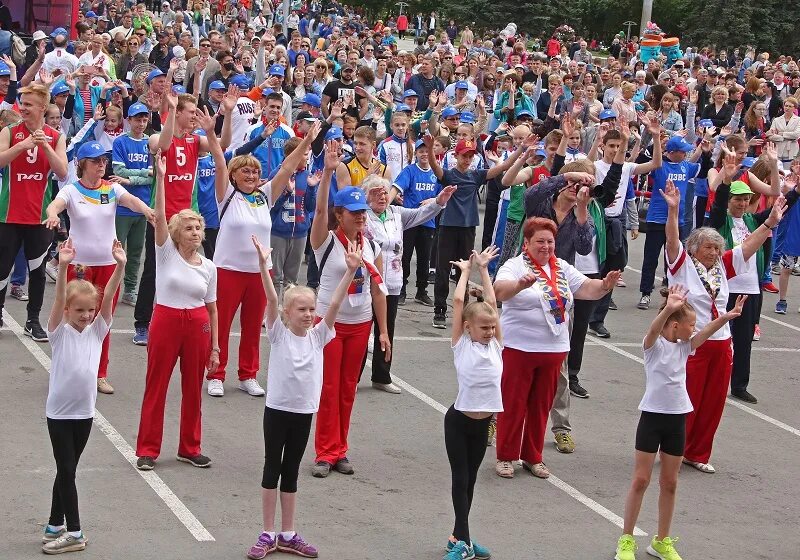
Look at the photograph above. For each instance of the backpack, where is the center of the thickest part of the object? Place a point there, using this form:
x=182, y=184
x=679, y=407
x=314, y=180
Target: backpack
x=18, y=49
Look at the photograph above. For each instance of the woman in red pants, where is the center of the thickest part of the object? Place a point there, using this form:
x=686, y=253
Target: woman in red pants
x=704, y=267
x=537, y=290
x=344, y=355
x=184, y=326
x=91, y=204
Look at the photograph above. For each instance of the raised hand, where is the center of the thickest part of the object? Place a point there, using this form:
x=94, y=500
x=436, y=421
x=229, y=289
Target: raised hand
x=676, y=298
x=777, y=212
x=332, y=158
x=118, y=252
x=445, y=195
x=160, y=164
x=230, y=98
x=99, y=113
x=66, y=252
x=483, y=258
x=463, y=265
x=737, y=309
x=263, y=252
x=771, y=152
x=206, y=120
x=337, y=109
x=671, y=194
x=354, y=255
x=584, y=196
x=314, y=178
x=610, y=281
x=172, y=99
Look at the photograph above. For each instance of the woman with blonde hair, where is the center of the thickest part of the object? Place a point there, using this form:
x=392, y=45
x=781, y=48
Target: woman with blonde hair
x=785, y=131
x=623, y=104
x=719, y=110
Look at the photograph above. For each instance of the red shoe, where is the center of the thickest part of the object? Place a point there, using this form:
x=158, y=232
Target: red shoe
x=769, y=287
x=757, y=334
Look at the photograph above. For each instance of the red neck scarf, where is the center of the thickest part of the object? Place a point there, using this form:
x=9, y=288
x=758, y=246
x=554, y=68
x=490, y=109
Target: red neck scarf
x=357, y=285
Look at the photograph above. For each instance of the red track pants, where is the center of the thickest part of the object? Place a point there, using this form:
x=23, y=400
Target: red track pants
x=708, y=374
x=174, y=333
x=98, y=276
x=343, y=358
x=528, y=385
x=243, y=289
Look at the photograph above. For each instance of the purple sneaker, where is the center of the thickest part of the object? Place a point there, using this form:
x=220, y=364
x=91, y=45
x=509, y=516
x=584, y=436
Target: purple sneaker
x=265, y=545
x=296, y=545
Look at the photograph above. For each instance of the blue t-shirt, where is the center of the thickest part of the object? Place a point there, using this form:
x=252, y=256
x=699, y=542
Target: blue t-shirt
x=417, y=185
x=462, y=209
x=680, y=173
x=270, y=151
x=790, y=237
x=206, y=190
x=133, y=154
x=290, y=213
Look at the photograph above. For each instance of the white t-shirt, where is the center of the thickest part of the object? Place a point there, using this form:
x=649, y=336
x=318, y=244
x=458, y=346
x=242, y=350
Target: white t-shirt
x=589, y=264
x=332, y=273
x=92, y=215
x=73, y=373
x=60, y=59
x=294, y=383
x=247, y=214
x=665, y=372
x=479, y=368
x=242, y=119
x=601, y=170
x=683, y=271
x=181, y=285
x=522, y=318
x=747, y=282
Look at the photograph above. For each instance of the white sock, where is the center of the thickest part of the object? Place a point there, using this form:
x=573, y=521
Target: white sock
x=287, y=535
x=271, y=534
x=55, y=528
x=76, y=534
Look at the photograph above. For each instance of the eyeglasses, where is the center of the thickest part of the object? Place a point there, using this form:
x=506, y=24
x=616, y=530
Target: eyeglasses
x=460, y=74
x=205, y=45
x=102, y=160
x=133, y=44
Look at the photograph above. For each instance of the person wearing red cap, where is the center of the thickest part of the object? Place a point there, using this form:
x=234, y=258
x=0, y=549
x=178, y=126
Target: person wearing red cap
x=459, y=219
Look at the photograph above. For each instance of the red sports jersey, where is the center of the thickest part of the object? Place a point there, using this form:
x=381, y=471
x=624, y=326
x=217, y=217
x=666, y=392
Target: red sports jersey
x=25, y=190
x=180, y=184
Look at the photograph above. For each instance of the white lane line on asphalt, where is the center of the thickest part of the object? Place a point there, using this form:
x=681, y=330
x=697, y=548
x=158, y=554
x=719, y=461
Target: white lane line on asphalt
x=765, y=317
x=554, y=480
x=737, y=404
x=153, y=480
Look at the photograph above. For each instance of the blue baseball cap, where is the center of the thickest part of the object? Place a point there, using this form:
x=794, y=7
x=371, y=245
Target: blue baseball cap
x=90, y=150
x=154, y=73
x=277, y=70
x=402, y=107
x=335, y=133
x=607, y=114
x=525, y=113
x=467, y=117
x=4, y=69
x=216, y=84
x=462, y=84
x=241, y=81
x=449, y=112
x=749, y=162
x=410, y=93
x=351, y=198
x=312, y=99
x=57, y=88
x=419, y=144
x=200, y=132
x=678, y=144
x=90, y=14
x=179, y=89
x=266, y=91
x=59, y=31
x=138, y=109
x=540, y=150
x=705, y=123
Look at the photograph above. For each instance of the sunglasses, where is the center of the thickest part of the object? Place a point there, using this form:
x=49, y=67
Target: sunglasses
x=102, y=160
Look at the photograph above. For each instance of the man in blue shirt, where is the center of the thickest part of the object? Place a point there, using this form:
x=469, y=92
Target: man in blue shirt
x=270, y=152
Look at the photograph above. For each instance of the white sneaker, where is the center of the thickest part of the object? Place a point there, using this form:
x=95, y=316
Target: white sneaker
x=387, y=387
x=51, y=270
x=215, y=388
x=251, y=387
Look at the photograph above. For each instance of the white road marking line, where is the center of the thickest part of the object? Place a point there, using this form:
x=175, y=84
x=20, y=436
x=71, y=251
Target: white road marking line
x=554, y=480
x=153, y=480
x=737, y=404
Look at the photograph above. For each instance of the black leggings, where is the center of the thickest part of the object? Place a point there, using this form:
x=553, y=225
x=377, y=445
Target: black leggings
x=581, y=313
x=465, y=440
x=143, y=311
x=35, y=240
x=285, y=439
x=742, y=334
x=68, y=438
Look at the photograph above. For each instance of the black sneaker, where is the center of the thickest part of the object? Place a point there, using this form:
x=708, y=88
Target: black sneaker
x=34, y=330
x=439, y=321
x=744, y=395
x=343, y=466
x=612, y=305
x=401, y=299
x=599, y=330
x=424, y=299
x=145, y=463
x=197, y=460
x=576, y=390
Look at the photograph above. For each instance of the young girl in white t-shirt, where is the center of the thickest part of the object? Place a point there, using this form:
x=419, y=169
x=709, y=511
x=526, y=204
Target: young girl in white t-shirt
x=76, y=337
x=294, y=386
x=477, y=354
x=662, y=425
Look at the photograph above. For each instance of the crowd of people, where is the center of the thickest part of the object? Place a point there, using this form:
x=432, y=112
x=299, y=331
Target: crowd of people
x=187, y=159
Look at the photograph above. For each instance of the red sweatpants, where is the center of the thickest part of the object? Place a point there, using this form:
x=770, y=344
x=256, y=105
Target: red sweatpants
x=98, y=276
x=708, y=374
x=234, y=289
x=342, y=360
x=528, y=385
x=174, y=333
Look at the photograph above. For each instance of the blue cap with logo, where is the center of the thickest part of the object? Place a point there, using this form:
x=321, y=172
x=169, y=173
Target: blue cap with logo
x=312, y=99
x=58, y=88
x=351, y=198
x=4, y=69
x=217, y=84
x=200, y=132
x=138, y=109
x=402, y=107
x=335, y=133
x=91, y=14
x=154, y=73
x=462, y=84
x=467, y=117
x=266, y=91
x=607, y=114
x=540, y=150
x=179, y=89
x=241, y=81
x=525, y=113
x=59, y=31
x=705, y=123
x=449, y=112
x=419, y=144
x=90, y=150
x=277, y=70
x=749, y=162
x=678, y=144
x=410, y=93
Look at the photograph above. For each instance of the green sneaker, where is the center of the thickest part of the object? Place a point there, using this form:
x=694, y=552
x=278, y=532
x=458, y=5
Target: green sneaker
x=65, y=543
x=626, y=548
x=50, y=536
x=664, y=549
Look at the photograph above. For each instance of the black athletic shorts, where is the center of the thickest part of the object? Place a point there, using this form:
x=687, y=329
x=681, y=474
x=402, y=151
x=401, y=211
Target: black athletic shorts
x=661, y=431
